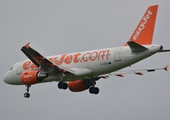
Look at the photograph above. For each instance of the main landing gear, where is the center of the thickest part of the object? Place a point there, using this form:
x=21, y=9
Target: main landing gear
x=62, y=85
x=94, y=90
x=27, y=95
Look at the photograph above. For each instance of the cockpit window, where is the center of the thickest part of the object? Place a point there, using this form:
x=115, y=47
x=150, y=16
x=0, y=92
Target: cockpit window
x=11, y=68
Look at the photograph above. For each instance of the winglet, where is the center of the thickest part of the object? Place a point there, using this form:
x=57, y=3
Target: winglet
x=166, y=68
x=27, y=45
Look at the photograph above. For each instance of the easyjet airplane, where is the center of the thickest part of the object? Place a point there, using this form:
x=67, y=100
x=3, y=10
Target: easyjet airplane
x=79, y=71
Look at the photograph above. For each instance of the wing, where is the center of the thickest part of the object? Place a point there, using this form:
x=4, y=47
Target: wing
x=121, y=73
x=40, y=61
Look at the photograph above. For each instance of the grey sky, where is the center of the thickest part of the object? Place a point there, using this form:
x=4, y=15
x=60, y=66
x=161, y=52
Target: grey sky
x=63, y=26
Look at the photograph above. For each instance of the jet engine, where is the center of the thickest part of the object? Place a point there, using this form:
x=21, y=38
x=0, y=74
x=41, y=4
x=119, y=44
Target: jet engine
x=79, y=85
x=32, y=77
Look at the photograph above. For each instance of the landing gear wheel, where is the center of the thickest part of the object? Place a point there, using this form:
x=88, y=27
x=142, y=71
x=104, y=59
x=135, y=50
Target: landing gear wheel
x=65, y=86
x=26, y=95
x=62, y=85
x=94, y=90
x=91, y=90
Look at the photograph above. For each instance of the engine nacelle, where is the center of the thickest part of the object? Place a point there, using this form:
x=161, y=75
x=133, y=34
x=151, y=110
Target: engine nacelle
x=32, y=77
x=79, y=85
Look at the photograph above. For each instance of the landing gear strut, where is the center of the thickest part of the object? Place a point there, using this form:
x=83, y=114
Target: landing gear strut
x=62, y=84
x=27, y=95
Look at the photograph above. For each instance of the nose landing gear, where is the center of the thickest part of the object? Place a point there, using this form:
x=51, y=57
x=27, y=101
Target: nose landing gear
x=27, y=95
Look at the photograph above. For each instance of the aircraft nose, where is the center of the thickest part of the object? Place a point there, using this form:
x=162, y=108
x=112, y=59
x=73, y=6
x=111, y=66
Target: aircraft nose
x=5, y=79
x=12, y=79
x=8, y=78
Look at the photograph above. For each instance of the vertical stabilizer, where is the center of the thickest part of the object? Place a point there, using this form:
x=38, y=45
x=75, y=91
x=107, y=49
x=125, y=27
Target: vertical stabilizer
x=144, y=31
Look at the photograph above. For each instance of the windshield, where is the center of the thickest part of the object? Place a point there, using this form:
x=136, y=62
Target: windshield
x=11, y=68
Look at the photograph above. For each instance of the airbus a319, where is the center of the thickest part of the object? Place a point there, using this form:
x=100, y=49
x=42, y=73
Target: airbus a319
x=79, y=71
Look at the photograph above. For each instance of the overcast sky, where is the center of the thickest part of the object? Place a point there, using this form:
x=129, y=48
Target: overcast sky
x=64, y=26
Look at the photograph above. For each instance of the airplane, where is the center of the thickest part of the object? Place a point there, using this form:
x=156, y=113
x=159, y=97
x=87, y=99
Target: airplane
x=79, y=71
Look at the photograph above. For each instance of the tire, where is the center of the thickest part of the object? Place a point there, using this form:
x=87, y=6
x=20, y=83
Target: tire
x=26, y=95
x=60, y=85
x=65, y=86
x=91, y=90
x=96, y=90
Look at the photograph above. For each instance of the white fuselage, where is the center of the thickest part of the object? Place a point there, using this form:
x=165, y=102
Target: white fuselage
x=85, y=64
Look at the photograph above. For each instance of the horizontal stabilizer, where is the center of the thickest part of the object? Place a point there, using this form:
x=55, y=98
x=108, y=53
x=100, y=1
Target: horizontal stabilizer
x=135, y=47
x=164, y=51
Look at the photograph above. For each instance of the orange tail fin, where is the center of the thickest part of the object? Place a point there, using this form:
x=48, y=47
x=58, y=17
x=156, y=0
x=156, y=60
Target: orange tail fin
x=144, y=31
